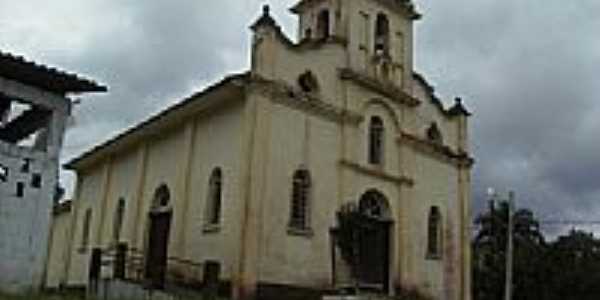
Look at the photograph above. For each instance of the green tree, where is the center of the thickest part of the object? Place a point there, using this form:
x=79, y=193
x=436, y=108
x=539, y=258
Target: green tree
x=574, y=266
x=489, y=252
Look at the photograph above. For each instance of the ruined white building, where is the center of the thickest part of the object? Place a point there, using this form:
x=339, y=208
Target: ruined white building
x=33, y=112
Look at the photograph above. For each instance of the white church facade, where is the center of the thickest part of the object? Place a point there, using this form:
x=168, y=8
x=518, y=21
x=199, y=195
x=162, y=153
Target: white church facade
x=244, y=180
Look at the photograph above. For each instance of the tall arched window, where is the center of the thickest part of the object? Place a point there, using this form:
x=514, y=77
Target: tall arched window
x=382, y=34
x=323, y=24
x=376, y=134
x=301, y=186
x=118, y=220
x=434, y=238
x=215, y=195
x=85, y=230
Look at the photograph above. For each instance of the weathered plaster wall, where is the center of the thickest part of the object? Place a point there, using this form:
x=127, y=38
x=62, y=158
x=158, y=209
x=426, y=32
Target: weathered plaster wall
x=293, y=132
x=276, y=60
x=59, y=249
x=181, y=157
x=217, y=140
x=24, y=220
x=88, y=196
x=297, y=141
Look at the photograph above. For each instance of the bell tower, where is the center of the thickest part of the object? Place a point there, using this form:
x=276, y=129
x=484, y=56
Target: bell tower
x=378, y=34
x=318, y=20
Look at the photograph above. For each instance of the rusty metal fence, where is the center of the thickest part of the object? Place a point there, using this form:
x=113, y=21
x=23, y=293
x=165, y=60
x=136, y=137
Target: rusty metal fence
x=130, y=264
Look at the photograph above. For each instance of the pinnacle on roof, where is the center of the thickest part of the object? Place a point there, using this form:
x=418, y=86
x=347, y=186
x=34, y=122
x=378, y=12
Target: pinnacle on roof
x=265, y=19
x=458, y=108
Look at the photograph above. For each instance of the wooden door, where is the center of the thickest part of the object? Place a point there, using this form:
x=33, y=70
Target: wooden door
x=374, y=255
x=157, y=252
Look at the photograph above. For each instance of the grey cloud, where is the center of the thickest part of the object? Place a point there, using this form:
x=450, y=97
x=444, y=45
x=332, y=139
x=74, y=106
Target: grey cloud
x=527, y=69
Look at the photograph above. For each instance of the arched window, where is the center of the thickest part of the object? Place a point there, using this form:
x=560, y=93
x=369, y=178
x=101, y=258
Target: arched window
x=376, y=133
x=86, y=227
x=118, y=220
x=434, y=134
x=434, y=232
x=215, y=195
x=162, y=197
x=382, y=34
x=323, y=24
x=301, y=186
x=373, y=204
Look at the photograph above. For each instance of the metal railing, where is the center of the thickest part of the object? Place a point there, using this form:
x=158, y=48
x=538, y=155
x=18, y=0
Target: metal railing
x=130, y=264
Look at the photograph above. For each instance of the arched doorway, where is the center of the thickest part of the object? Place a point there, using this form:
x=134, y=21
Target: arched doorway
x=374, y=246
x=158, y=238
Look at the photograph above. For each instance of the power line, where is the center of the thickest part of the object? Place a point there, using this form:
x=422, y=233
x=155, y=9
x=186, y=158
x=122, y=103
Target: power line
x=568, y=222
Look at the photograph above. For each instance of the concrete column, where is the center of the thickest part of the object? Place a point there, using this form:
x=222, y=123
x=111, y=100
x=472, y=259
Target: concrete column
x=55, y=136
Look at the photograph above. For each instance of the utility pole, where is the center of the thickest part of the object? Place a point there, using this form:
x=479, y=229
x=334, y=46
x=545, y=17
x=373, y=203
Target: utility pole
x=509, y=248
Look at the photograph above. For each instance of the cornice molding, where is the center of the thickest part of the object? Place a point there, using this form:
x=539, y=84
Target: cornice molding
x=388, y=90
x=365, y=170
x=404, y=7
x=281, y=93
x=438, y=151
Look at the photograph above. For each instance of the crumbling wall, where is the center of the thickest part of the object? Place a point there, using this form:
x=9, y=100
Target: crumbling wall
x=32, y=124
x=27, y=185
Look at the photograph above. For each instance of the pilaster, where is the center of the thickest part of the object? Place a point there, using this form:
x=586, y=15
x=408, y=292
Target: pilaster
x=183, y=187
x=138, y=199
x=103, y=202
x=255, y=146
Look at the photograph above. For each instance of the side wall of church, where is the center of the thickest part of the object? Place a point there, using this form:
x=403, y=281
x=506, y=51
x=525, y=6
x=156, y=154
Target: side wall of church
x=182, y=158
x=58, y=250
x=87, y=198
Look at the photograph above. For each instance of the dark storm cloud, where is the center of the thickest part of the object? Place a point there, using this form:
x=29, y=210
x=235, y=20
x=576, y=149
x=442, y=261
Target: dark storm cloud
x=149, y=55
x=157, y=54
x=528, y=69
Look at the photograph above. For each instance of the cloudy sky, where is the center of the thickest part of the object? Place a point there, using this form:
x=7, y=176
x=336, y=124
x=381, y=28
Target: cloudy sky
x=527, y=69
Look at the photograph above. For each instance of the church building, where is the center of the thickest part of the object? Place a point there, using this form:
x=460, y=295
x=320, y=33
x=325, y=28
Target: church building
x=243, y=183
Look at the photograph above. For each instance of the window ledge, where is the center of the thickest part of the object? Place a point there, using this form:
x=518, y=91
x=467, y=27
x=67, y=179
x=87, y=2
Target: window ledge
x=306, y=232
x=211, y=228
